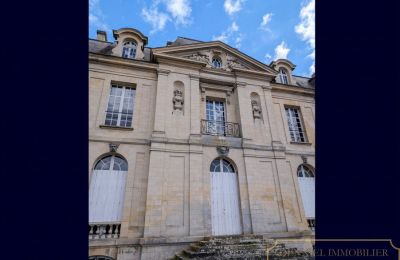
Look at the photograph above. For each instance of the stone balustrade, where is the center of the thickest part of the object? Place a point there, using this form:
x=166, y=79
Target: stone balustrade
x=104, y=230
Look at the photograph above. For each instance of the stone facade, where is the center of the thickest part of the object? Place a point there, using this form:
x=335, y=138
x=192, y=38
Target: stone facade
x=167, y=198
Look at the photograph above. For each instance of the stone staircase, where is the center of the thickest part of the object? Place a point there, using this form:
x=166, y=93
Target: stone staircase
x=249, y=247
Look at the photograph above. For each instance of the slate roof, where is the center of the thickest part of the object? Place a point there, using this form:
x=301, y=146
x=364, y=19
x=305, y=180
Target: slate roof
x=105, y=48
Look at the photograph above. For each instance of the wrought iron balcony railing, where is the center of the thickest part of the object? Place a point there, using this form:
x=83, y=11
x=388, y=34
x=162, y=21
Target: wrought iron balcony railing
x=209, y=127
x=104, y=230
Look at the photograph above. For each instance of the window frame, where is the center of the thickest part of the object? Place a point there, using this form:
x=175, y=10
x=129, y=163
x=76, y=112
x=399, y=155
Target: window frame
x=300, y=121
x=216, y=58
x=130, y=46
x=121, y=107
x=283, y=76
x=219, y=125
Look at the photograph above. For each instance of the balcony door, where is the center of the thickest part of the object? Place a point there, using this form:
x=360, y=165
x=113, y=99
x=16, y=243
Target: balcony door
x=225, y=206
x=107, y=188
x=215, y=111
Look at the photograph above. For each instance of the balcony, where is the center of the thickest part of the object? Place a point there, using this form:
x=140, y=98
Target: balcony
x=104, y=230
x=220, y=128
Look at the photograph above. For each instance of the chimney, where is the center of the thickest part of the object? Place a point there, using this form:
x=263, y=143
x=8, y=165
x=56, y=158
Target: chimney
x=101, y=36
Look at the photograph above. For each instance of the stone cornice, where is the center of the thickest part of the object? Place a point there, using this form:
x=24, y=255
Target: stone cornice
x=119, y=61
x=163, y=72
x=293, y=89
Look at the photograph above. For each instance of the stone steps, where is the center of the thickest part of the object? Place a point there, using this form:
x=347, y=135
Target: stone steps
x=250, y=247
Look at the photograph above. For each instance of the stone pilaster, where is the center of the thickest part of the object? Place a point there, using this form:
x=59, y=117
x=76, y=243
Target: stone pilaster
x=195, y=107
x=246, y=121
x=161, y=98
x=270, y=118
x=196, y=191
x=154, y=218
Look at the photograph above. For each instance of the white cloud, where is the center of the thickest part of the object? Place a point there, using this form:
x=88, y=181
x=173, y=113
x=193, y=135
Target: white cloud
x=306, y=29
x=265, y=20
x=96, y=16
x=180, y=10
x=234, y=27
x=228, y=33
x=157, y=19
x=232, y=6
x=268, y=57
x=176, y=11
x=238, y=41
x=223, y=38
x=281, y=51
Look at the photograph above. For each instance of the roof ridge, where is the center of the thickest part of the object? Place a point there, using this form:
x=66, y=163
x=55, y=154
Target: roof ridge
x=189, y=39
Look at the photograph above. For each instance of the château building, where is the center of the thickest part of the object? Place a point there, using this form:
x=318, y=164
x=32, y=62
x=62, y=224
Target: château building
x=191, y=140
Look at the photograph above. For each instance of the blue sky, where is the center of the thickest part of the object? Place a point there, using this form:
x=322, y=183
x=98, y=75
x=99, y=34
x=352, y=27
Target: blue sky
x=263, y=29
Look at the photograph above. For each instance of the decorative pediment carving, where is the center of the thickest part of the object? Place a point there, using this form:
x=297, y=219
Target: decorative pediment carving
x=198, y=57
x=233, y=62
x=231, y=58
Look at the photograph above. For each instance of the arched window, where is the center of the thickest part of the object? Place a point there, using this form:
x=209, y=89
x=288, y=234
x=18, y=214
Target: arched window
x=283, y=77
x=304, y=171
x=305, y=176
x=221, y=165
x=100, y=257
x=129, y=49
x=115, y=163
x=107, y=189
x=216, y=62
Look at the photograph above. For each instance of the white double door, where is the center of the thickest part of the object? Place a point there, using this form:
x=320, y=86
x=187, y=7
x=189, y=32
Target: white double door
x=106, y=196
x=225, y=211
x=307, y=190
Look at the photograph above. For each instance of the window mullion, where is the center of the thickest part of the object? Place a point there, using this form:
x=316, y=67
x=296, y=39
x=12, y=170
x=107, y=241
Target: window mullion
x=121, y=105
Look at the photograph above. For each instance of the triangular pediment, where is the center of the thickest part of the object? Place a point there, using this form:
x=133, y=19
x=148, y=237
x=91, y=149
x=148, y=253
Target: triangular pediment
x=204, y=52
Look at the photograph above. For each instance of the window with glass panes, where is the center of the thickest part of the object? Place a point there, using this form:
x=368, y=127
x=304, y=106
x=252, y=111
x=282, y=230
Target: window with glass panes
x=129, y=50
x=296, y=129
x=216, y=62
x=120, y=106
x=283, y=78
x=215, y=111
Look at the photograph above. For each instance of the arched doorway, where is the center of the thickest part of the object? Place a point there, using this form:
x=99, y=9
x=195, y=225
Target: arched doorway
x=225, y=208
x=305, y=175
x=107, y=188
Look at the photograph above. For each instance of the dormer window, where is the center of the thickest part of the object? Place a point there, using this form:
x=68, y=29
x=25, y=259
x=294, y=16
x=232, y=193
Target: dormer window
x=129, y=50
x=216, y=62
x=283, y=77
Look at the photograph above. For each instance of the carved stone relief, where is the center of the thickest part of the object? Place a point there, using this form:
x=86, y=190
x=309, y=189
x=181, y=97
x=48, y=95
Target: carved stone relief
x=256, y=109
x=178, y=100
x=232, y=63
x=199, y=57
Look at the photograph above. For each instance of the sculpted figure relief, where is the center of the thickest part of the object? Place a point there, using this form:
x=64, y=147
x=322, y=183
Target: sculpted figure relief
x=178, y=100
x=199, y=57
x=256, y=109
x=232, y=63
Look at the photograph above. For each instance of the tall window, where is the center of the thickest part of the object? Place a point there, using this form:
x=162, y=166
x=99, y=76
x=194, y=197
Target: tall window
x=305, y=176
x=107, y=188
x=129, y=49
x=120, y=106
x=296, y=129
x=283, y=77
x=215, y=111
x=216, y=62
